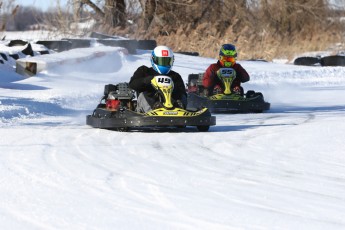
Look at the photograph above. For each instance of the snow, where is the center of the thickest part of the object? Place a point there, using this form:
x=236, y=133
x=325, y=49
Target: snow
x=282, y=169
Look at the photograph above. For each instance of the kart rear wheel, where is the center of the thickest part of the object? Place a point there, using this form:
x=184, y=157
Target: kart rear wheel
x=203, y=128
x=122, y=129
x=250, y=94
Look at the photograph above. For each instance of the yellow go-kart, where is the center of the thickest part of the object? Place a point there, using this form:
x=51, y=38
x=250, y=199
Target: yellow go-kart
x=224, y=100
x=117, y=110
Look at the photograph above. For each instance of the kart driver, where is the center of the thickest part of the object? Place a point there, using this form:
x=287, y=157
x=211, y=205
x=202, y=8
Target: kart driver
x=227, y=59
x=162, y=59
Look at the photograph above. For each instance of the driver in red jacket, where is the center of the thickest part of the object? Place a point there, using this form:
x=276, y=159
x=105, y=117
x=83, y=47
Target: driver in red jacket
x=227, y=59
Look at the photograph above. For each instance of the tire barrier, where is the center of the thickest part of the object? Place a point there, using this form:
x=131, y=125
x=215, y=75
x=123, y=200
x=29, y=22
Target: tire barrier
x=30, y=66
x=56, y=45
x=4, y=56
x=254, y=59
x=308, y=61
x=130, y=45
x=104, y=36
x=147, y=44
x=44, y=52
x=28, y=50
x=17, y=43
x=14, y=56
x=18, y=49
x=78, y=43
x=138, y=44
x=19, y=55
x=7, y=59
x=335, y=60
x=188, y=53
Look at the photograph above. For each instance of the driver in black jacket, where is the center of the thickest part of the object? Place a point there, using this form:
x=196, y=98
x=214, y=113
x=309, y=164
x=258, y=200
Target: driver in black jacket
x=162, y=60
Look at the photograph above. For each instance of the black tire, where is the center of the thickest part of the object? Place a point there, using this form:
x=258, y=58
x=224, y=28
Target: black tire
x=259, y=94
x=203, y=128
x=78, y=43
x=14, y=56
x=100, y=106
x=335, y=60
x=122, y=129
x=17, y=42
x=188, y=53
x=56, y=45
x=308, y=61
x=250, y=93
x=192, y=76
x=4, y=56
x=147, y=44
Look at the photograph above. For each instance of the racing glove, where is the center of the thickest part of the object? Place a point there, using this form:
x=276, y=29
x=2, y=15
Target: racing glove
x=236, y=90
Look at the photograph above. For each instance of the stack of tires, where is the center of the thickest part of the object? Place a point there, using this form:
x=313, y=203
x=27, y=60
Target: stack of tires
x=334, y=60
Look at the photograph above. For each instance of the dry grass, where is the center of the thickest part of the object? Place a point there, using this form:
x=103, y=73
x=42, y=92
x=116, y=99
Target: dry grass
x=253, y=46
x=275, y=29
x=278, y=30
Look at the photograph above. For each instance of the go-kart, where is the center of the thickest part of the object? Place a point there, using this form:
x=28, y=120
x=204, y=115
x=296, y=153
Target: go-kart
x=224, y=99
x=117, y=110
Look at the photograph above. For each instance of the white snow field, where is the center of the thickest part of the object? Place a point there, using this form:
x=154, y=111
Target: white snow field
x=281, y=169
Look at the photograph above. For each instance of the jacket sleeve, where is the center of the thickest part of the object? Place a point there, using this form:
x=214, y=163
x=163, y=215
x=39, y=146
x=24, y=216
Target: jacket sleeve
x=208, y=78
x=141, y=80
x=241, y=73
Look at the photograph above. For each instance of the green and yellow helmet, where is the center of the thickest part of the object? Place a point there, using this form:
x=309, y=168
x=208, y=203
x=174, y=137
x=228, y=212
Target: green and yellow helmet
x=227, y=55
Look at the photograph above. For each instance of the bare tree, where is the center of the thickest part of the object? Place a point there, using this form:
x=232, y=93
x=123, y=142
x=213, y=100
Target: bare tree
x=289, y=16
x=8, y=10
x=259, y=27
x=112, y=13
x=149, y=8
x=170, y=15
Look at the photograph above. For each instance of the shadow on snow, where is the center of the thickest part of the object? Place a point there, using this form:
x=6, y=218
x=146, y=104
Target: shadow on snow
x=26, y=107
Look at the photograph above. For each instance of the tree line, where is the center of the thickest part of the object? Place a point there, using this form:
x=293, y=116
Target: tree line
x=14, y=17
x=260, y=28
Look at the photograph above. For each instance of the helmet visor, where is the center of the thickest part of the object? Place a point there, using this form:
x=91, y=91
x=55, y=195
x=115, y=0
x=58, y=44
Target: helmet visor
x=163, y=61
x=228, y=59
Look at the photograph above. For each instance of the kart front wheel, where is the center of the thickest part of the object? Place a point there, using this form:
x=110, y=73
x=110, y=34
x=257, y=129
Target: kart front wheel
x=122, y=129
x=203, y=128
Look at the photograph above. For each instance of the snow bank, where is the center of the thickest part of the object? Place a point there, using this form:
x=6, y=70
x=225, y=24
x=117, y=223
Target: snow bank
x=30, y=66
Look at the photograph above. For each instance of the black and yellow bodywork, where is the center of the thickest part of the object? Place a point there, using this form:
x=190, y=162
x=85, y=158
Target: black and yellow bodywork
x=227, y=101
x=125, y=117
